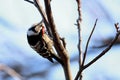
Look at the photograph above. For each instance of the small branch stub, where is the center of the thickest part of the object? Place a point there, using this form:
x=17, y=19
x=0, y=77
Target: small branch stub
x=117, y=27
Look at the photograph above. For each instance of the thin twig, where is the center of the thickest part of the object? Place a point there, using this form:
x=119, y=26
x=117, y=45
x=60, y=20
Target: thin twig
x=79, y=9
x=57, y=43
x=79, y=32
x=11, y=72
x=84, y=55
x=79, y=36
x=104, y=51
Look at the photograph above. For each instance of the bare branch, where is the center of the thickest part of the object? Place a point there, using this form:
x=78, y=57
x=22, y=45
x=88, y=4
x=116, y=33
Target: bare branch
x=11, y=72
x=57, y=43
x=79, y=37
x=79, y=32
x=104, y=51
x=79, y=9
x=84, y=55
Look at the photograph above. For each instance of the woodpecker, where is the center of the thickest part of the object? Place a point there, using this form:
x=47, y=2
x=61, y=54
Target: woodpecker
x=39, y=40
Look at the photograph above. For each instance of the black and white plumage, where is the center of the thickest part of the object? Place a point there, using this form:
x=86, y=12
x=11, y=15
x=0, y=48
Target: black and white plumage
x=40, y=41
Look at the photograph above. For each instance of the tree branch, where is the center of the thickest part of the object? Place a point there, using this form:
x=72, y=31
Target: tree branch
x=106, y=50
x=11, y=72
x=84, y=55
x=79, y=37
x=62, y=52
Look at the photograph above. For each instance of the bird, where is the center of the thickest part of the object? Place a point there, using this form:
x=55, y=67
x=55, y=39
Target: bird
x=39, y=40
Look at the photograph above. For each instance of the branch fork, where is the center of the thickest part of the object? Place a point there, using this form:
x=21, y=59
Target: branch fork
x=84, y=66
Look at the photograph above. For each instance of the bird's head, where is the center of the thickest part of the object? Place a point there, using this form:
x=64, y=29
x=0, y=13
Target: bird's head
x=36, y=29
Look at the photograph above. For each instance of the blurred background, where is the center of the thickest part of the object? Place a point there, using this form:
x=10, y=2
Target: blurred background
x=16, y=16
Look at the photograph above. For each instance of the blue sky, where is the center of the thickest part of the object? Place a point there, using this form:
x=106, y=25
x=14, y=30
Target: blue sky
x=16, y=16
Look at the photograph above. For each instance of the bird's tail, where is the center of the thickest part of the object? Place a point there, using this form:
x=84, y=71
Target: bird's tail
x=50, y=59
